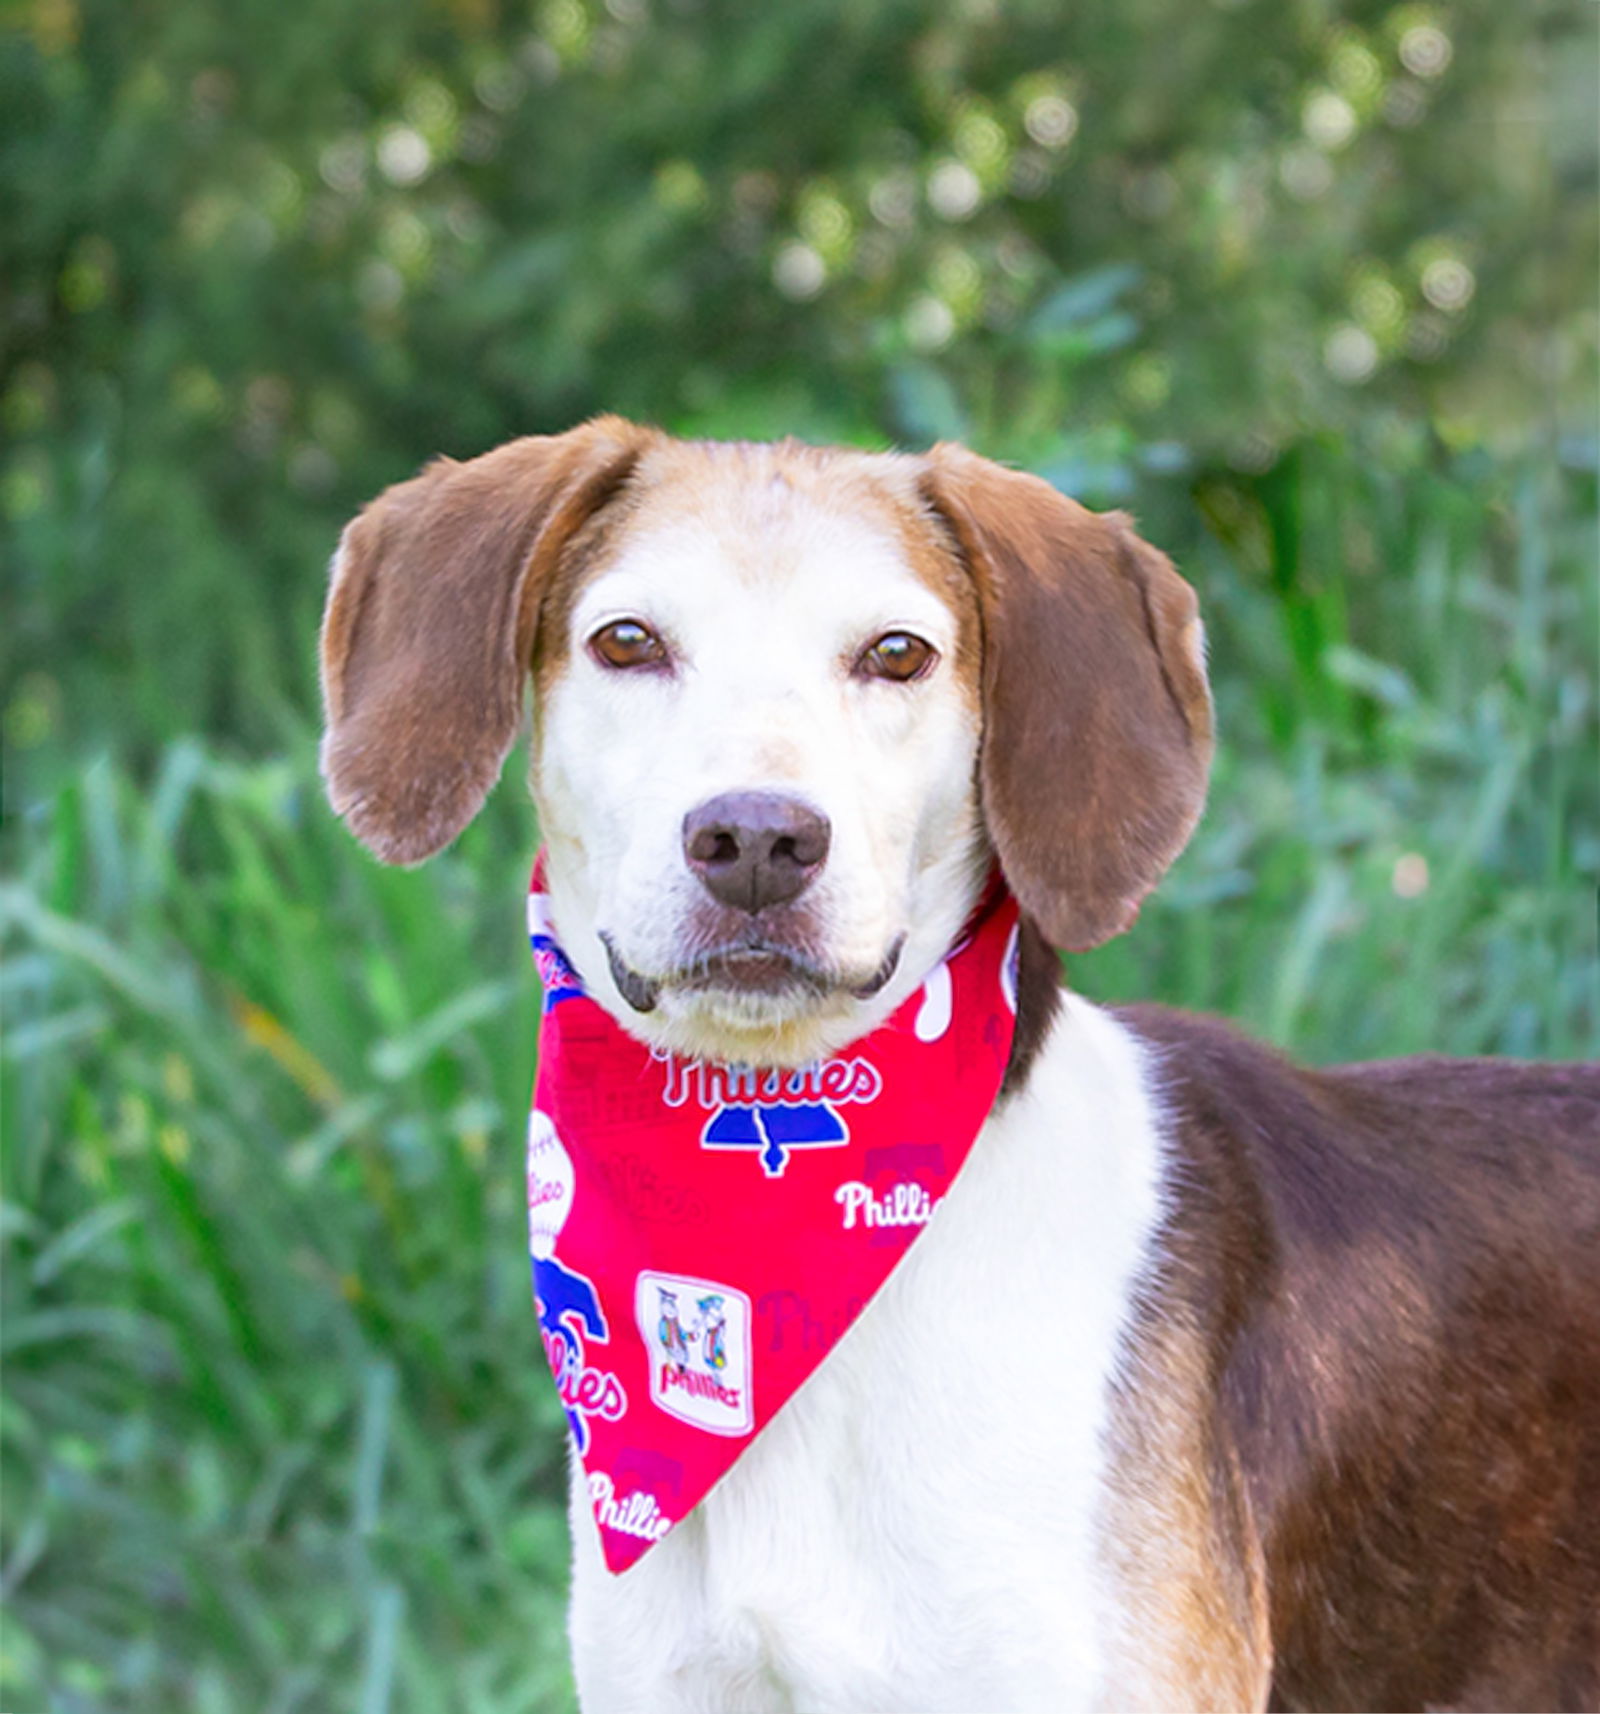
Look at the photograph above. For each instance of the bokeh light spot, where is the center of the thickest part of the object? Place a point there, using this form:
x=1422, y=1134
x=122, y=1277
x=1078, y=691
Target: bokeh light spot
x=798, y=271
x=343, y=165
x=1051, y=121
x=981, y=142
x=499, y=86
x=954, y=191
x=1355, y=70
x=825, y=223
x=1306, y=173
x=1405, y=102
x=893, y=200
x=1425, y=50
x=1030, y=174
x=1328, y=120
x=1378, y=305
x=1350, y=354
x=930, y=324
x=403, y=155
x=1448, y=283
x=1410, y=877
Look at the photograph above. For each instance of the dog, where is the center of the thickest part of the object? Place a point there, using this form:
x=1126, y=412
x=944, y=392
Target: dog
x=1215, y=1383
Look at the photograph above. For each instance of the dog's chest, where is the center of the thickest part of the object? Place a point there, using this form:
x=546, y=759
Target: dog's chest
x=918, y=1528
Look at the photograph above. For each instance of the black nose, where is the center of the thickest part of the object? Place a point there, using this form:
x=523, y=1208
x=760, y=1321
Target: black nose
x=754, y=849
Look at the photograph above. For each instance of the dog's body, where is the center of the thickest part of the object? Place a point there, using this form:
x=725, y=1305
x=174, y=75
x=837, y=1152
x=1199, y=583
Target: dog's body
x=1214, y=1383
x=1315, y=1415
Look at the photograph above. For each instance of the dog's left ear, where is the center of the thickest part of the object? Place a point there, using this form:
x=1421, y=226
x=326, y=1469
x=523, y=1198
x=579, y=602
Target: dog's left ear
x=1097, y=717
x=429, y=629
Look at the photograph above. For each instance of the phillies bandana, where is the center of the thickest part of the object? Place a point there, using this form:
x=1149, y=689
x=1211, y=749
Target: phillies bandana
x=703, y=1235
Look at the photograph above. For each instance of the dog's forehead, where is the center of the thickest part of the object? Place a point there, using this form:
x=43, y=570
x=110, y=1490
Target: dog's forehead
x=774, y=518
x=775, y=497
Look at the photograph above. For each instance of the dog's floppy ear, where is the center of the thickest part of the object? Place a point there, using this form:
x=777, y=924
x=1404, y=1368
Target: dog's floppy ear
x=429, y=628
x=1097, y=717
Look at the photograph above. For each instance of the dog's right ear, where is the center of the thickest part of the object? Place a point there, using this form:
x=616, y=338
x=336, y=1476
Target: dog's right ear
x=430, y=622
x=1096, y=713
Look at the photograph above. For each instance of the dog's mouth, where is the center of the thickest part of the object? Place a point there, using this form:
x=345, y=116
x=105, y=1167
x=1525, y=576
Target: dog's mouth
x=749, y=966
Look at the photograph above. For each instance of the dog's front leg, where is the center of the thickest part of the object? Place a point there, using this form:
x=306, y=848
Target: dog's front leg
x=649, y=1641
x=1191, y=1629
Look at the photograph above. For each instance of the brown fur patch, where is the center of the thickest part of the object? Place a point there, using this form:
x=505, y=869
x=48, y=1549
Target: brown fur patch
x=591, y=547
x=1038, y=1003
x=1395, y=1270
x=1097, y=717
x=429, y=627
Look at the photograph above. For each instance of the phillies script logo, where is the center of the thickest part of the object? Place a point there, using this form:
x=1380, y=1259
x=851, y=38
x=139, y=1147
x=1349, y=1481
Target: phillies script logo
x=569, y=1317
x=902, y=1204
x=772, y=1111
x=636, y=1513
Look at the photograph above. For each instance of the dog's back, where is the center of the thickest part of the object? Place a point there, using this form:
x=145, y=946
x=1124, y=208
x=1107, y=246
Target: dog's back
x=1398, y=1267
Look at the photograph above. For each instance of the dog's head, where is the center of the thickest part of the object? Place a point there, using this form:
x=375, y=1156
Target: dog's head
x=790, y=705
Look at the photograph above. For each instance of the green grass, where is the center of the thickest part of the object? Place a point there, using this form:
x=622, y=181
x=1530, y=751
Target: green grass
x=277, y=1434
x=1404, y=669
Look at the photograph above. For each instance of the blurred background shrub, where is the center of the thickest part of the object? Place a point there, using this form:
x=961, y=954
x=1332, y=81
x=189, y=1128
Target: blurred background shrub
x=1309, y=286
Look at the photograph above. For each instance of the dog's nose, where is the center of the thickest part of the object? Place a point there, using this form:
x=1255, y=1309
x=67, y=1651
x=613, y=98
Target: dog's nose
x=754, y=849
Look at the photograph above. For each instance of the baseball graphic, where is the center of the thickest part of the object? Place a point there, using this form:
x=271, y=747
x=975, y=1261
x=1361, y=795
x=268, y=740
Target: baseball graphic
x=550, y=1186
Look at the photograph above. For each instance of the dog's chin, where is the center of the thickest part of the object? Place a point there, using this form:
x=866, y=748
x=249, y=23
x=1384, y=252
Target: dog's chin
x=751, y=1003
x=753, y=973
x=745, y=1027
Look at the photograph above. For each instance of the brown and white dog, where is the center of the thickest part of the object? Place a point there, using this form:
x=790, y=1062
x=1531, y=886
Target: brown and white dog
x=1318, y=1424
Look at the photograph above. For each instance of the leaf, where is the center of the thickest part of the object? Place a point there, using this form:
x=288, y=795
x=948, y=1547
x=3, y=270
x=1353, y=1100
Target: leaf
x=401, y=1055
x=81, y=1237
x=1378, y=679
x=925, y=405
x=1084, y=298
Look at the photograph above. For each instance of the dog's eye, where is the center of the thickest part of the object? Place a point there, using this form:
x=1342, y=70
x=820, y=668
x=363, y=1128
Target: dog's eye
x=898, y=656
x=627, y=643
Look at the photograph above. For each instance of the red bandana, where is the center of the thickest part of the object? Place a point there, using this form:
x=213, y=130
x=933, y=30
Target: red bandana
x=703, y=1235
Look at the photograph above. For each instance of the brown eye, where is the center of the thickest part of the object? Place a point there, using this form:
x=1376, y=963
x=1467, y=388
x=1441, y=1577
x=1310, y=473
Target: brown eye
x=897, y=656
x=627, y=643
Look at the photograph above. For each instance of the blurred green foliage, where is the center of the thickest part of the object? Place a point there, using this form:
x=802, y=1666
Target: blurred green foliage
x=1309, y=285
x=263, y=258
